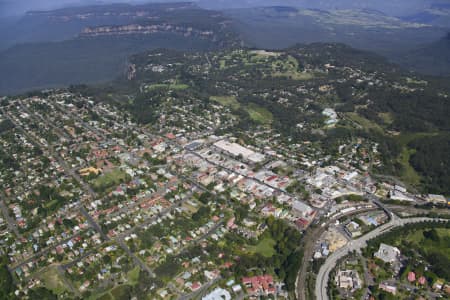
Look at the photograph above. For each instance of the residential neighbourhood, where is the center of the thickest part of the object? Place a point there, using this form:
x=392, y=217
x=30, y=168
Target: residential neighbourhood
x=103, y=203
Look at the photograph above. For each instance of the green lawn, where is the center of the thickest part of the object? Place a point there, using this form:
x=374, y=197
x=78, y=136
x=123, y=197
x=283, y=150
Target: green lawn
x=386, y=117
x=109, y=179
x=121, y=292
x=295, y=75
x=158, y=86
x=365, y=123
x=409, y=175
x=406, y=138
x=264, y=247
x=223, y=64
x=133, y=275
x=229, y=101
x=105, y=296
x=289, y=68
x=418, y=239
x=53, y=281
x=259, y=114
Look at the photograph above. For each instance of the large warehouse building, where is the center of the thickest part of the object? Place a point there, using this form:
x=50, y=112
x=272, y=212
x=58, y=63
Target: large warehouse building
x=236, y=150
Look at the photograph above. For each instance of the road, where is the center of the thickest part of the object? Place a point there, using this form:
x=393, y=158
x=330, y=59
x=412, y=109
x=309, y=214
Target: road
x=197, y=293
x=309, y=240
x=43, y=252
x=321, y=286
x=12, y=226
x=238, y=173
x=368, y=280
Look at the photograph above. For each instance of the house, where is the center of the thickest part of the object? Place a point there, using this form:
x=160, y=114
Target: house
x=195, y=286
x=387, y=253
x=87, y=171
x=411, y=276
x=438, y=285
x=218, y=294
x=348, y=279
x=436, y=199
x=259, y=285
x=301, y=209
x=236, y=288
x=447, y=289
x=388, y=288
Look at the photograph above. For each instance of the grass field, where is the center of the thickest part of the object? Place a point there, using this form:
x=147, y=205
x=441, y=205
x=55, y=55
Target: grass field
x=105, y=296
x=121, y=291
x=363, y=122
x=418, y=240
x=223, y=64
x=52, y=280
x=259, y=114
x=409, y=175
x=416, y=81
x=109, y=179
x=289, y=68
x=406, y=138
x=264, y=247
x=157, y=86
x=386, y=117
x=133, y=275
x=229, y=101
x=295, y=75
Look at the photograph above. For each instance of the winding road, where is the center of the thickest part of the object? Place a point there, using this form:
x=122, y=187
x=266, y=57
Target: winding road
x=321, y=286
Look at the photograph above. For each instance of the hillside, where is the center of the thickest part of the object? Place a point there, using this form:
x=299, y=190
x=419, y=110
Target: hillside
x=291, y=90
x=433, y=58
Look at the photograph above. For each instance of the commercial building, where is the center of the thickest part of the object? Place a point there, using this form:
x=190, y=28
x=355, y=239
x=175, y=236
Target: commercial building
x=236, y=150
x=387, y=253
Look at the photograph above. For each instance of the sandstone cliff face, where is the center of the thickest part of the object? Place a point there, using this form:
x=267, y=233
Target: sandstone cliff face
x=144, y=29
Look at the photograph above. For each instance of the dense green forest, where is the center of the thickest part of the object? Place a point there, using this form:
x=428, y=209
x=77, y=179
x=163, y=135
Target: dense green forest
x=6, y=281
x=432, y=160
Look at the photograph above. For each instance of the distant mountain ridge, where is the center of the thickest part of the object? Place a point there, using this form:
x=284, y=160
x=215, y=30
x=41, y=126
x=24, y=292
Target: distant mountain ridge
x=42, y=55
x=80, y=45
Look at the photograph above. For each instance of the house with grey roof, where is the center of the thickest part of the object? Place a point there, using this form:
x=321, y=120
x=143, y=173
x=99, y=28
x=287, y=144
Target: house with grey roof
x=388, y=253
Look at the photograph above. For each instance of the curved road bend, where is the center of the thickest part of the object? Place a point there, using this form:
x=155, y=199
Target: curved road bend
x=356, y=245
x=309, y=241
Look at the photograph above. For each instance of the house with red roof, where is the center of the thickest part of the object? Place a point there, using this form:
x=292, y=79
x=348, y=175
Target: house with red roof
x=411, y=276
x=422, y=280
x=170, y=136
x=259, y=285
x=195, y=286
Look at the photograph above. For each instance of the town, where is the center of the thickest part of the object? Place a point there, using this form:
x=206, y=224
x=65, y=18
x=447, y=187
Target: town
x=95, y=204
x=186, y=181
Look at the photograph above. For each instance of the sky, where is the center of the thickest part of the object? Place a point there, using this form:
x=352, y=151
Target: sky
x=17, y=7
